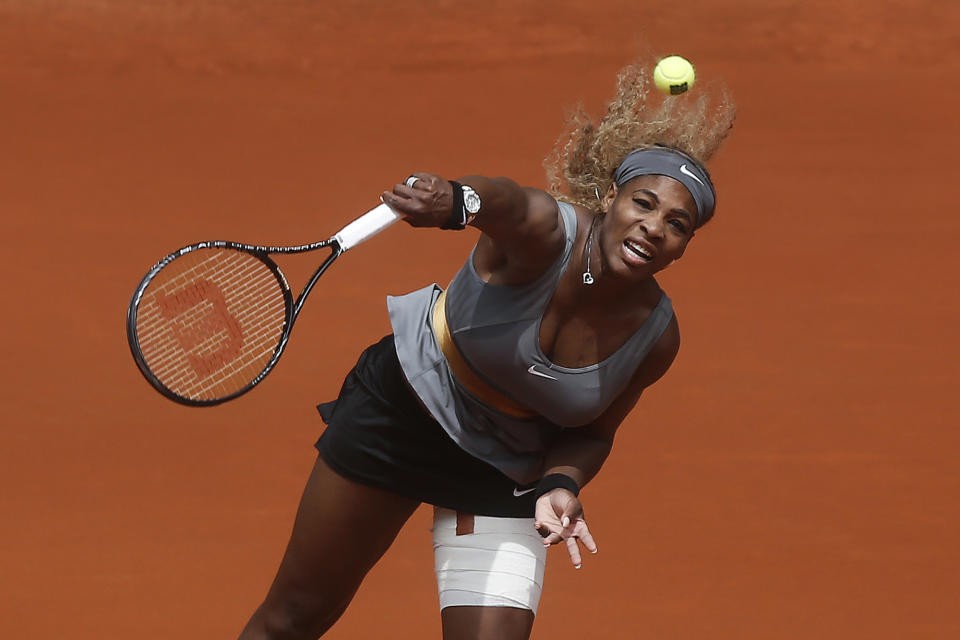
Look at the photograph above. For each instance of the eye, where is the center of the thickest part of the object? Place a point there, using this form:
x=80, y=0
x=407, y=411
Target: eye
x=643, y=203
x=678, y=225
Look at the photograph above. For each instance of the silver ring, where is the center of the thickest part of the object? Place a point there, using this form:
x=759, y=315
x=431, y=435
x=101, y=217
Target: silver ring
x=412, y=180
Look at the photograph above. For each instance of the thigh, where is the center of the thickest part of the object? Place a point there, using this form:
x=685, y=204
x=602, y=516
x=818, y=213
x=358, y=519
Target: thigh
x=341, y=530
x=489, y=575
x=482, y=623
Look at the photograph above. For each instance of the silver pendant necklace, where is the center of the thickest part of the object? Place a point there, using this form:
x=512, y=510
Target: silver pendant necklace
x=587, y=276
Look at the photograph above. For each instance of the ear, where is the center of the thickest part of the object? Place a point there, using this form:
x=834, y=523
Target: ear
x=609, y=197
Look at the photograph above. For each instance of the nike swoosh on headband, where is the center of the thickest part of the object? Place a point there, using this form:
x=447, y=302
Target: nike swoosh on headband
x=518, y=493
x=685, y=171
x=537, y=373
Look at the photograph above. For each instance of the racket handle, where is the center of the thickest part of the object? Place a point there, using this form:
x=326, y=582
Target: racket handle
x=366, y=226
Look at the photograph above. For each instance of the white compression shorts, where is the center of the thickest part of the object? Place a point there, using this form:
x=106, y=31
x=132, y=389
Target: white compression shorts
x=500, y=564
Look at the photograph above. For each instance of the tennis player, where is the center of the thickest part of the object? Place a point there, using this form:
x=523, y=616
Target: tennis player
x=497, y=398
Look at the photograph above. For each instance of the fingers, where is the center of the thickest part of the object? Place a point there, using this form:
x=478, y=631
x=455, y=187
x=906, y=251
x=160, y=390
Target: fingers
x=420, y=181
x=559, y=518
x=574, y=550
x=422, y=198
x=406, y=193
x=572, y=511
x=587, y=540
x=550, y=533
x=551, y=539
x=573, y=534
x=580, y=537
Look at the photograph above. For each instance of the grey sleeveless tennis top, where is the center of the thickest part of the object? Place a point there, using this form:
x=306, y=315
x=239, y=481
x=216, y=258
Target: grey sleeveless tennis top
x=497, y=329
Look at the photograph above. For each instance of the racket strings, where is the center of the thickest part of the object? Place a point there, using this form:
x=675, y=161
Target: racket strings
x=194, y=316
x=211, y=338
x=210, y=321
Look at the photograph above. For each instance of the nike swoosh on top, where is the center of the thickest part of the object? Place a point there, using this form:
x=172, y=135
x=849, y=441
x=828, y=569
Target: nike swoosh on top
x=684, y=170
x=537, y=373
x=518, y=493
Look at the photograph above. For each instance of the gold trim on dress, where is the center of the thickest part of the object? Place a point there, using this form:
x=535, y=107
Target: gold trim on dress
x=461, y=369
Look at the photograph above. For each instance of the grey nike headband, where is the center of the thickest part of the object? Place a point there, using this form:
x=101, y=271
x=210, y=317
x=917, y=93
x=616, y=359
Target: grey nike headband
x=662, y=161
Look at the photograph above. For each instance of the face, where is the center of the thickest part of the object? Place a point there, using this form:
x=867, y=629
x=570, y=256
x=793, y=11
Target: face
x=648, y=223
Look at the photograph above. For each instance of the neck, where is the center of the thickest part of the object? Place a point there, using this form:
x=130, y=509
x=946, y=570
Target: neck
x=596, y=285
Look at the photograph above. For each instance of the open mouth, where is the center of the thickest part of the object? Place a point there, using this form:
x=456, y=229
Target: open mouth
x=637, y=250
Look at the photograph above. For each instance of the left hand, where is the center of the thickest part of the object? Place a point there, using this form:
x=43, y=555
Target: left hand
x=559, y=516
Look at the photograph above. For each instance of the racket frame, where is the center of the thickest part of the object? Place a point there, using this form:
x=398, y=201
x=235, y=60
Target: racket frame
x=292, y=308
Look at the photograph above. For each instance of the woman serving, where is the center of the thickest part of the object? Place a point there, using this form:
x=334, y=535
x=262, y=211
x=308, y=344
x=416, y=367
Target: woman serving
x=497, y=398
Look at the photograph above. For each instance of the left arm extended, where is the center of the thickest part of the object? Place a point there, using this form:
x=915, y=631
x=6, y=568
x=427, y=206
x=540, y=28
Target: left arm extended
x=580, y=452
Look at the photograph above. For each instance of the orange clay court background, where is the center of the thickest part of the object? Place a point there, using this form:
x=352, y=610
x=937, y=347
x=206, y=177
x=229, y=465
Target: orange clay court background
x=793, y=477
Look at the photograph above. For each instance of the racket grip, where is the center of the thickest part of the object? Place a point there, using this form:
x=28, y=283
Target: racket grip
x=366, y=226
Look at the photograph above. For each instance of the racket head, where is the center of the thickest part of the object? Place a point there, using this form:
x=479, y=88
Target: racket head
x=208, y=322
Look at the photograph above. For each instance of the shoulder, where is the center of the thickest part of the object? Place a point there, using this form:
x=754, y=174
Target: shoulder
x=542, y=209
x=547, y=224
x=519, y=250
x=545, y=217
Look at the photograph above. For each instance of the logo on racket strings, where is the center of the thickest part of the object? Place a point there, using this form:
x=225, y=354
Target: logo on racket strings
x=197, y=326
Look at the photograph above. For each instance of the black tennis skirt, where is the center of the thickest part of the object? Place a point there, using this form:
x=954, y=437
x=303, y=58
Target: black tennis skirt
x=378, y=434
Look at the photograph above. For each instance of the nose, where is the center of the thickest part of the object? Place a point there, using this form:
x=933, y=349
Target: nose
x=653, y=224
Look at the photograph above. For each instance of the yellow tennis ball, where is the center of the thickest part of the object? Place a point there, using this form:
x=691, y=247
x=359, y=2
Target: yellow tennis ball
x=674, y=75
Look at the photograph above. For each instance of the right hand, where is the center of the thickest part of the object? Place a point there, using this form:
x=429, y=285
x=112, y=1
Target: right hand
x=427, y=203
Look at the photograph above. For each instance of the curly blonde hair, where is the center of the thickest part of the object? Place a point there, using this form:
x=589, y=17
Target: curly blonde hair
x=585, y=157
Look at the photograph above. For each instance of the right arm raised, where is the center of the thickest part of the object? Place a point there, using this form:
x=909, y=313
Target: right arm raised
x=522, y=233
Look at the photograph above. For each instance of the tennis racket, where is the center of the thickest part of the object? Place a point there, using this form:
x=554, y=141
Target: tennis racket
x=210, y=321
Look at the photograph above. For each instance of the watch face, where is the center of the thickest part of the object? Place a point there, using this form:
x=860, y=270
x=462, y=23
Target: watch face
x=471, y=201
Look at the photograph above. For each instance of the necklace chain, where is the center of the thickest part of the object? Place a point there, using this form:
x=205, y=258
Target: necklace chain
x=587, y=276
